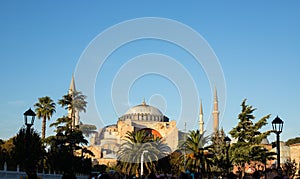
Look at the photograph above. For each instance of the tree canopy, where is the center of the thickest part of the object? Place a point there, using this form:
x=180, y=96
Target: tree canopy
x=28, y=149
x=292, y=141
x=44, y=108
x=248, y=136
x=137, y=144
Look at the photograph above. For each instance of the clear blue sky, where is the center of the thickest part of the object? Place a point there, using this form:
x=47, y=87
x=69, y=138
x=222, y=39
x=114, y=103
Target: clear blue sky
x=257, y=44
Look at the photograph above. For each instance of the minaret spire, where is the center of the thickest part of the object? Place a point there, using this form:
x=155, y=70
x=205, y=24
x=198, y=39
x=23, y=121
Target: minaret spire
x=201, y=122
x=75, y=115
x=72, y=85
x=216, y=112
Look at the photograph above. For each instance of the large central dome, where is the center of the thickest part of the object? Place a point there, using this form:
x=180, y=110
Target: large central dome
x=144, y=112
x=144, y=109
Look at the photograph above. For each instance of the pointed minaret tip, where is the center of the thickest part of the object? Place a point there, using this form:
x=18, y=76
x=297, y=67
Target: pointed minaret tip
x=201, y=122
x=72, y=84
x=216, y=112
x=215, y=94
x=201, y=109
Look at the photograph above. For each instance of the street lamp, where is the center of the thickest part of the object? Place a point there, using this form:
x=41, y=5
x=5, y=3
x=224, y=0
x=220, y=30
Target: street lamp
x=29, y=116
x=227, y=140
x=277, y=125
x=142, y=162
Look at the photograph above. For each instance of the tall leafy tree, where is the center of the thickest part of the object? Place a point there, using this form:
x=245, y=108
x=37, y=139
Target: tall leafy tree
x=69, y=144
x=28, y=150
x=67, y=148
x=248, y=137
x=44, y=108
x=219, y=152
x=73, y=138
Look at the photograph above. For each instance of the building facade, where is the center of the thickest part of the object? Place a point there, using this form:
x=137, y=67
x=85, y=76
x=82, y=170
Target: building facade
x=107, y=141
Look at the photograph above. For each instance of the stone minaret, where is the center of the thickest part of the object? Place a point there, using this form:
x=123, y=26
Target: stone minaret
x=215, y=112
x=72, y=89
x=201, y=122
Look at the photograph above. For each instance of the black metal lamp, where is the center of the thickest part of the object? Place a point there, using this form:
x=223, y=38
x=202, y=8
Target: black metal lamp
x=29, y=116
x=277, y=125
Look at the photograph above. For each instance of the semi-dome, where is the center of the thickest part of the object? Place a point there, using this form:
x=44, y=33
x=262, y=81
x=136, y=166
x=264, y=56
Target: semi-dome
x=144, y=112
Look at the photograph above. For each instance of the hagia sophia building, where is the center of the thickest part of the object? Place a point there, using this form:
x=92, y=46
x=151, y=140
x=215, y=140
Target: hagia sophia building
x=105, y=143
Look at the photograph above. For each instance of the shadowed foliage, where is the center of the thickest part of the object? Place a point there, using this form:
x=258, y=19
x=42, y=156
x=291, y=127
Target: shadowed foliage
x=28, y=149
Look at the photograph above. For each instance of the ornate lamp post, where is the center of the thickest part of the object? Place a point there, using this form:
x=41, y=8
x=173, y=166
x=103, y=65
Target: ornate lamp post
x=277, y=125
x=29, y=116
x=142, y=162
x=227, y=140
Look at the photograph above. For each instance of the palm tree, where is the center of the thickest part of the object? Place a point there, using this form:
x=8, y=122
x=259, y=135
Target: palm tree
x=44, y=109
x=137, y=144
x=197, y=155
x=74, y=102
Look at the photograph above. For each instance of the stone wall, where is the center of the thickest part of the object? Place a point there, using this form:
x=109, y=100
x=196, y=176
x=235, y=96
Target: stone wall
x=295, y=152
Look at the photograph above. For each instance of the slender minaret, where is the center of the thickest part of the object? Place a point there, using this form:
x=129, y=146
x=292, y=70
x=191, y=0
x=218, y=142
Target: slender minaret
x=72, y=85
x=215, y=112
x=72, y=90
x=201, y=122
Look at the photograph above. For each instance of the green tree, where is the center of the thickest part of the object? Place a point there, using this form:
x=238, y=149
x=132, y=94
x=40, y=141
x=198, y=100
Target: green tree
x=73, y=138
x=87, y=129
x=3, y=154
x=248, y=136
x=176, y=162
x=196, y=148
x=28, y=150
x=44, y=108
x=135, y=145
x=219, y=152
x=292, y=141
x=261, y=156
x=68, y=148
x=74, y=101
x=69, y=145
x=6, y=148
x=62, y=124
